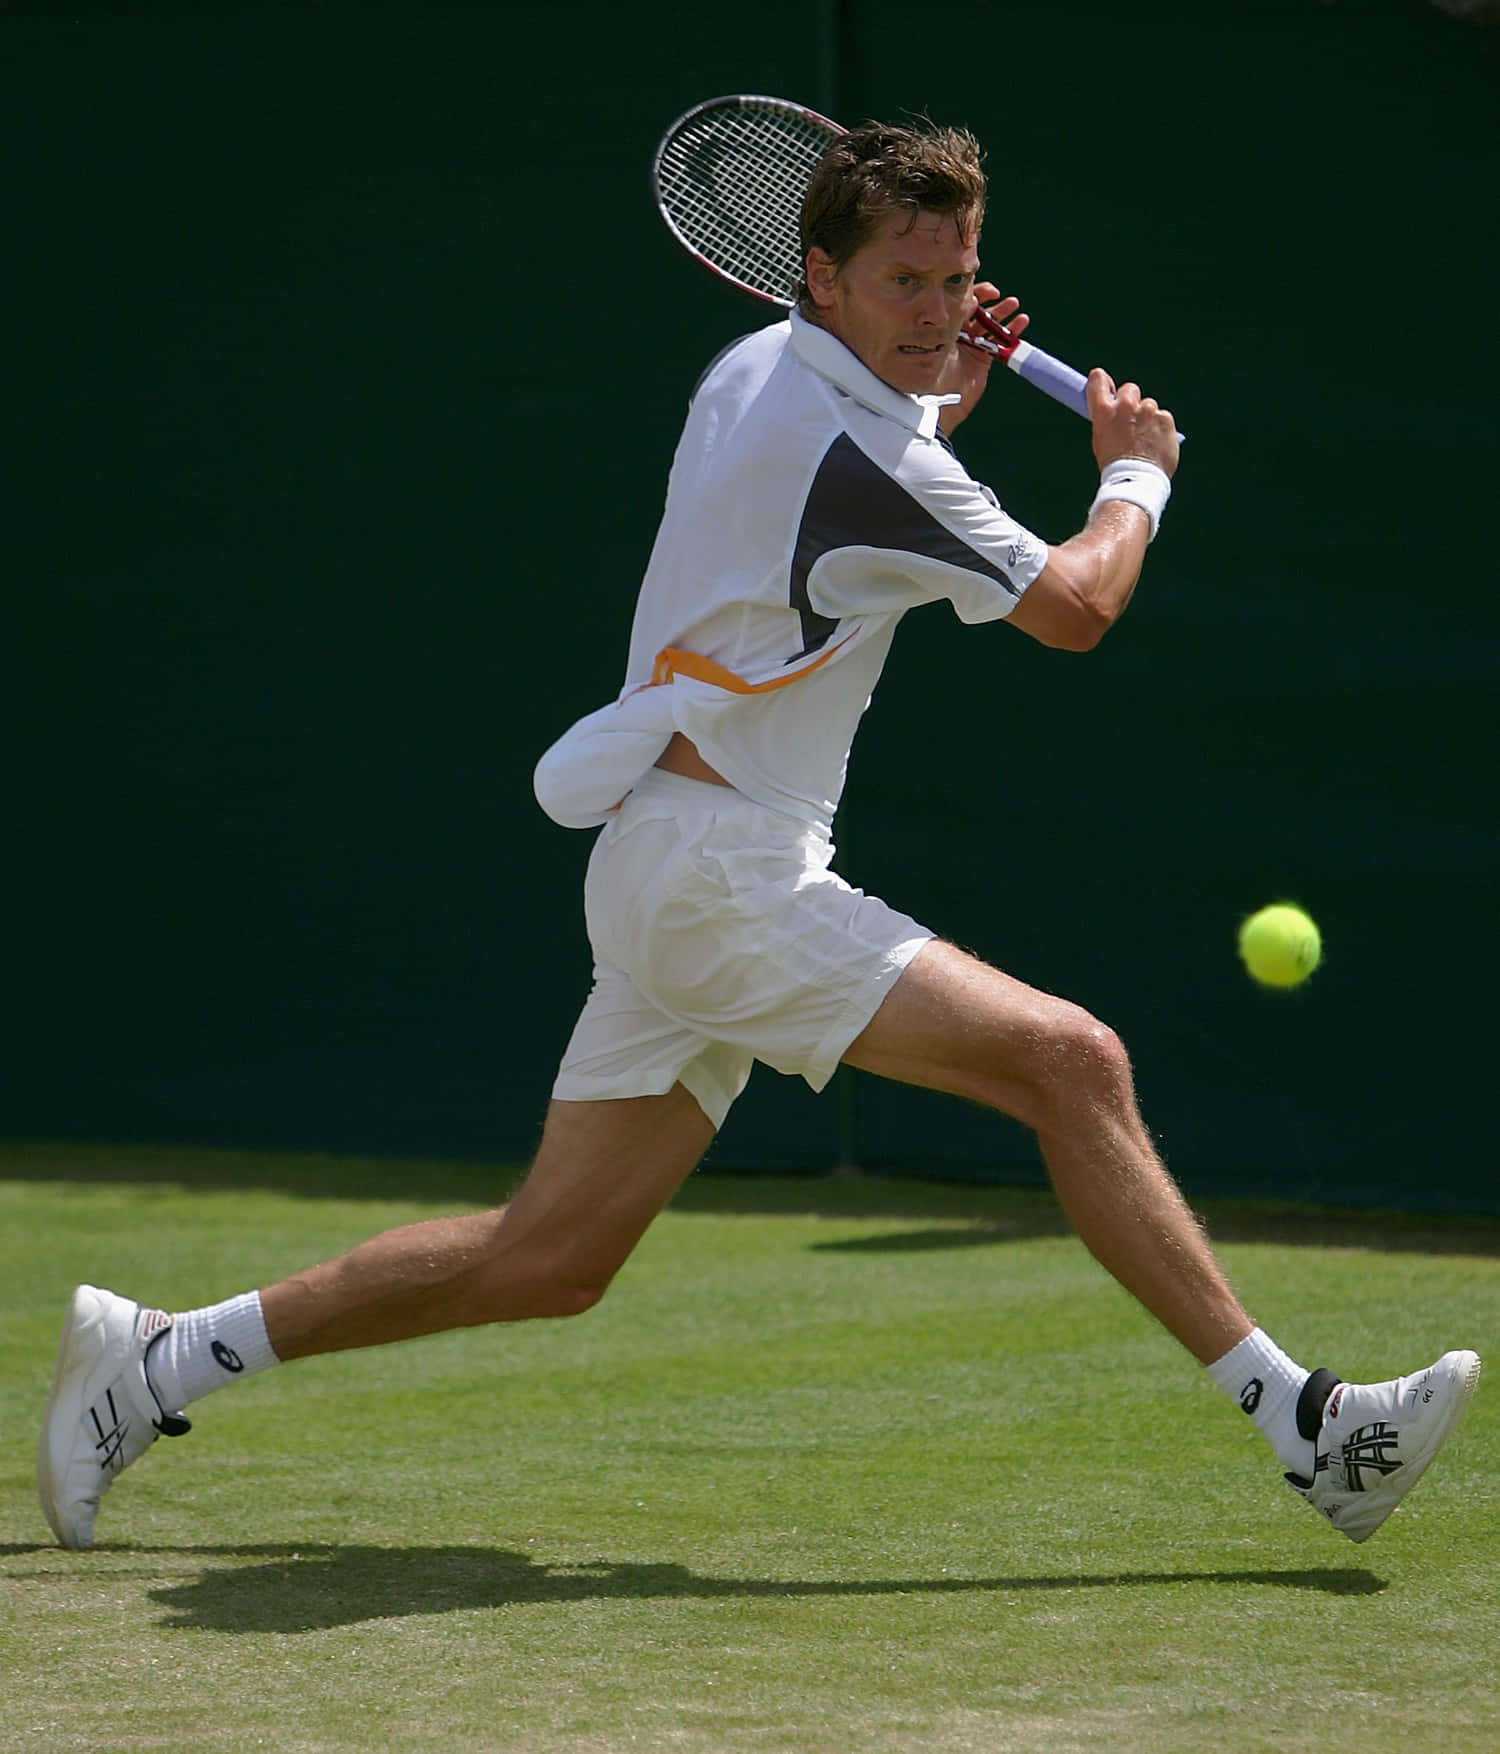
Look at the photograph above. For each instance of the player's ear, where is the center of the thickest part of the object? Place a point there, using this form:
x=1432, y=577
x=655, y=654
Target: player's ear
x=822, y=276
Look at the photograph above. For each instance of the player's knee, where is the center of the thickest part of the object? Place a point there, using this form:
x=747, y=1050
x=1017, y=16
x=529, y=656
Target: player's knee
x=1079, y=1061
x=527, y=1284
x=539, y=1300
x=573, y=1299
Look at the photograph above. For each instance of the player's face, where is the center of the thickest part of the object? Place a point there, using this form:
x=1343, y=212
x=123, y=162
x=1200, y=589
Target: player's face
x=900, y=300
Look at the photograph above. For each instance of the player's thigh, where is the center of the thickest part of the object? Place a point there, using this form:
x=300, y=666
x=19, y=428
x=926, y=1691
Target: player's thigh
x=602, y=1172
x=953, y=1023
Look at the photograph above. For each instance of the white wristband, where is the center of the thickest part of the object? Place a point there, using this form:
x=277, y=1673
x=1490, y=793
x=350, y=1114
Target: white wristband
x=1140, y=483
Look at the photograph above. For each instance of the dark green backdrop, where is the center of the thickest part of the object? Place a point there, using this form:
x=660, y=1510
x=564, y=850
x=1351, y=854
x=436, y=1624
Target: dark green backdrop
x=345, y=360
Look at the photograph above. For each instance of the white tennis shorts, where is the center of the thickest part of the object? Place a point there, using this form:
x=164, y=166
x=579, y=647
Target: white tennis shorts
x=720, y=938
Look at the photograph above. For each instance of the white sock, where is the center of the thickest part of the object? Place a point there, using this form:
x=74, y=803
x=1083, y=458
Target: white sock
x=207, y=1349
x=1266, y=1383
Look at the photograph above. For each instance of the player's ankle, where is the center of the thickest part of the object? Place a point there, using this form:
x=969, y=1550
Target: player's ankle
x=1267, y=1385
x=207, y=1349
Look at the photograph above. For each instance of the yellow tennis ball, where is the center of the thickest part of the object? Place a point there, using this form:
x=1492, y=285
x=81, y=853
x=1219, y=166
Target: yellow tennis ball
x=1280, y=945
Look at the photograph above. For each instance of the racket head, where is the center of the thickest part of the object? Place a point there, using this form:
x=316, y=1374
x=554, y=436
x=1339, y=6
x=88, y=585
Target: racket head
x=728, y=178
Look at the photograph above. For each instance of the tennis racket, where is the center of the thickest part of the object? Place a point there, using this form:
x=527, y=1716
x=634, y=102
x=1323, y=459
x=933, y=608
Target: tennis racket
x=729, y=177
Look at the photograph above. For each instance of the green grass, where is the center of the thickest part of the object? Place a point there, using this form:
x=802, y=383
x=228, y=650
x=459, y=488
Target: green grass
x=838, y=1465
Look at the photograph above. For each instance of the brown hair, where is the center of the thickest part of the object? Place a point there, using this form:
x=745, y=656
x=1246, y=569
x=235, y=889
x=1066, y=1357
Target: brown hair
x=880, y=168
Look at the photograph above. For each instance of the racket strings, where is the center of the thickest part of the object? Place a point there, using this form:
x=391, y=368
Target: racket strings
x=732, y=183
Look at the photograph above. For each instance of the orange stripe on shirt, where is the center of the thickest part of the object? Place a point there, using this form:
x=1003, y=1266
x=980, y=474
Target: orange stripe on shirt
x=674, y=661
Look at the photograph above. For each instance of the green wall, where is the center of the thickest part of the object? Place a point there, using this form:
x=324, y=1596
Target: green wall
x=347, y=357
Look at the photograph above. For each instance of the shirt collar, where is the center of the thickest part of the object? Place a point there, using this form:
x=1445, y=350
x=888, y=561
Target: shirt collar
x=830, y=359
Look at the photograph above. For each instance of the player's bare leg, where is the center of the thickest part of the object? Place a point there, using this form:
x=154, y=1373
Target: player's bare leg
x=952, y=1023
x=602, y=1173
x=125, y=1371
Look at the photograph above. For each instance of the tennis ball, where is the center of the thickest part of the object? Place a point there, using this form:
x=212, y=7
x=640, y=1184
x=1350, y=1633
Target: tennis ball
x=1280, y=945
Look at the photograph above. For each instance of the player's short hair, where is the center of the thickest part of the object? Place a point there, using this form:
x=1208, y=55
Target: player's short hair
x=880, y=168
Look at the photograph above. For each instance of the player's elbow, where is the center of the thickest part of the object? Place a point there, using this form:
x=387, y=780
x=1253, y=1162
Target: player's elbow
x=1072, y=604
x=1086, y=627
x=1087, y=583
x=1072, y=622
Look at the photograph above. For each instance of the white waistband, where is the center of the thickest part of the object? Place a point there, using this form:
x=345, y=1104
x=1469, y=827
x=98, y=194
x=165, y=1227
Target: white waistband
x=659, y=786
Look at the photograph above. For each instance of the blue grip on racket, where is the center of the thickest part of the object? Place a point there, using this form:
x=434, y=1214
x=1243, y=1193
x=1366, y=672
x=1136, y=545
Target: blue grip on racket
x=1055, y=379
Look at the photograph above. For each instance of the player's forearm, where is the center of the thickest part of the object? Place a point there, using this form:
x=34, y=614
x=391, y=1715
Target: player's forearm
x=1108, y=554
x=1087, y=581
x=1106, y=557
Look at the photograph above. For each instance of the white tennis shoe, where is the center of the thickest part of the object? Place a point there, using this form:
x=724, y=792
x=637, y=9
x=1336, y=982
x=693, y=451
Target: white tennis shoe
x=102, y=1412
x=1374, y=1441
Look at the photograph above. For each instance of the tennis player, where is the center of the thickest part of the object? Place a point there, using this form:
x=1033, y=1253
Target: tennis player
x=814, y=500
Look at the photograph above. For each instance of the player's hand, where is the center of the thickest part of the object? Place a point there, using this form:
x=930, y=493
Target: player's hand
x=1003, y=310
x=1128, y=424
x=969, y=370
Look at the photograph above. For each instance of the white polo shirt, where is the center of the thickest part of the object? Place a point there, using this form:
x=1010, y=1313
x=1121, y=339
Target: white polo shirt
x=810, y=505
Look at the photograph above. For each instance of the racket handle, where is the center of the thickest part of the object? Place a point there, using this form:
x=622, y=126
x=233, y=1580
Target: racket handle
x=1053, y=378
x=1050, y=376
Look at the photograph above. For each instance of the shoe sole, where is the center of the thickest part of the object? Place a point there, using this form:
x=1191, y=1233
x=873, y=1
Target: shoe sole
x=1466, y=1366
x=69, y=1376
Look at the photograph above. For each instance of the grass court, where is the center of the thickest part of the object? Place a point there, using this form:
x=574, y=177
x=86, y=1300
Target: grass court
x=840, y=1464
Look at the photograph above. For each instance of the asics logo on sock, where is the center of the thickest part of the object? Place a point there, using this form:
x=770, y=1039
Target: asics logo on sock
x=227, y=1356
x=1251, y=1393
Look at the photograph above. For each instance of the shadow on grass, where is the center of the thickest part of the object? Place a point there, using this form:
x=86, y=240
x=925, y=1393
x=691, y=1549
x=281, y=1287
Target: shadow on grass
x=213, y=1169
x=919, y=1241
x=966, y=1214
x=317, y=1586
x=941, y=1214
